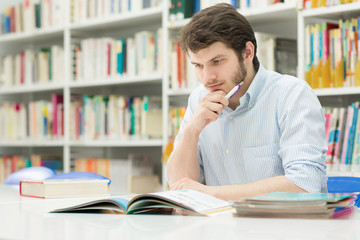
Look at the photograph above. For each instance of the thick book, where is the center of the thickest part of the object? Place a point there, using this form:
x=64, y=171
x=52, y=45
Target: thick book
x=57, y=188
x=296, y=205
x=187, y=202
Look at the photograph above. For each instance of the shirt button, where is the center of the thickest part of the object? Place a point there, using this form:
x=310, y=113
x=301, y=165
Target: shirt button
x=250, y=106
x=227, y=151
x=231, y=117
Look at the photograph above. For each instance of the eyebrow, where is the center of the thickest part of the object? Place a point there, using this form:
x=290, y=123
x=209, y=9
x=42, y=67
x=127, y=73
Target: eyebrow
x=212, y=59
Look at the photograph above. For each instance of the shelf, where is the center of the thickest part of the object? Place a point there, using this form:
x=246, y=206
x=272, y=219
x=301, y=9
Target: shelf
x=148, y=16
x=276, y=12
x=272, y=13
x=180, y=92
x=337, y=91
x=32, y=143
x=31, y=88
x=118, y=143
x=151, y=78
x=339, y=173
x=37, y=34
x=333, y=12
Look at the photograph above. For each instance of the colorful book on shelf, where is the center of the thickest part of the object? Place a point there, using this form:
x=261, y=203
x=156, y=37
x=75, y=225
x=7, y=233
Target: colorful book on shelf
x=296, y=205
x=333, y=121
x=187, y=202
x=57, y=188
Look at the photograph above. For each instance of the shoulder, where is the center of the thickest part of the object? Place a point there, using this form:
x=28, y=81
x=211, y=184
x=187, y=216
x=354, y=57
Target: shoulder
x=287, y=87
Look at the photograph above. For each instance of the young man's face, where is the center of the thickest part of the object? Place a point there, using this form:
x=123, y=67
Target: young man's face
x=218, y=67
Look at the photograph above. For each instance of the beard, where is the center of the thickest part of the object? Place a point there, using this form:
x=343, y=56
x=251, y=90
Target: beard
x=240, y=74
x=238, y=77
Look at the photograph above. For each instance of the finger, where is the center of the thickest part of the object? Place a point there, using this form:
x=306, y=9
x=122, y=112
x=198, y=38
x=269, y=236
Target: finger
x=215, y=107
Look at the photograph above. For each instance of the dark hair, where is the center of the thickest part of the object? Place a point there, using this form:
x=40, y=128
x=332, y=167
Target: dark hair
x=219, y=23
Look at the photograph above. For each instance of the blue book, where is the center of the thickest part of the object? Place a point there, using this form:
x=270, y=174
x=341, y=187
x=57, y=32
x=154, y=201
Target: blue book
x=196, y=6
x=352, y=130
x=120, y=47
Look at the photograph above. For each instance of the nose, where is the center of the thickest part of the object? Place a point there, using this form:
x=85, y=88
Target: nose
x=208, y=74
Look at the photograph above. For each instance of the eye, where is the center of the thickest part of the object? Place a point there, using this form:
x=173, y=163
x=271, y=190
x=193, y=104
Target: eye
x=217, y=61
x=198, y=66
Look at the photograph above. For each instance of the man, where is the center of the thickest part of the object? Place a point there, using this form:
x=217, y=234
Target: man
x=269, y=136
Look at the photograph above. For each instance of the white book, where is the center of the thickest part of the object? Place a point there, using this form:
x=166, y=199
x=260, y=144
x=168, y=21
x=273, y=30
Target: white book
x=57, y=13
x=29, y=16
x=29, y=63
x=57, y=188
x=45, y=14
x=265, y=50
x=174, y=66
x=124, y=6
x=130, y=57
x=8, y=69
x=136, y=6
x=159, y=62
x=113, y=56
x=107, y=8
x=17, y=70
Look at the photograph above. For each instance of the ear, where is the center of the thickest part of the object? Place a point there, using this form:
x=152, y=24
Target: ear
x=249, y=52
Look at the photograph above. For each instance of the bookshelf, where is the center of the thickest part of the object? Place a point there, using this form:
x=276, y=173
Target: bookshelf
x=72, y=32
x=282, y=20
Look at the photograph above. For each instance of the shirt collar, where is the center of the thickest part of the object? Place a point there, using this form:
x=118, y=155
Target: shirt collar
x=256, y=85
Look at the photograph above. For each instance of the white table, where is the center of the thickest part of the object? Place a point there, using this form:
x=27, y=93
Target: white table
x=29, y=218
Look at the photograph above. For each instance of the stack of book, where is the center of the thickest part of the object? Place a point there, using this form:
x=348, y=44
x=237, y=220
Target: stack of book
x=297, y=205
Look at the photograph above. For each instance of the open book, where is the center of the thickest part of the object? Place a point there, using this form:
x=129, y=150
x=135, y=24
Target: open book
x=188, y=202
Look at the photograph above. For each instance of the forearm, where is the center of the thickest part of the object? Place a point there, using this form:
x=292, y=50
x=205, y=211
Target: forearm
x=237, y=192
x=183, y=161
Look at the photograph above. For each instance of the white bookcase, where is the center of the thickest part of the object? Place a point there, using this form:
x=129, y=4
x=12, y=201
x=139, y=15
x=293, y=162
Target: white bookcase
x=116, y=26
x=281, y=20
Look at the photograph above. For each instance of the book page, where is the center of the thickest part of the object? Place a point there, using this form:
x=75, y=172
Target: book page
x=194, y=200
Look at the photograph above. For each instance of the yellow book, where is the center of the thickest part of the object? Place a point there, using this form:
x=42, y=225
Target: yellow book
x=326, y=75
x=314, y=4
x=357, y=74
x=317, y=76
x=309, y=76
x=339, y=74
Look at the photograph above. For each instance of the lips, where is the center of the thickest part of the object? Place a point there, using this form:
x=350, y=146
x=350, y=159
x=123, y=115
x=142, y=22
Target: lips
x=215, y=87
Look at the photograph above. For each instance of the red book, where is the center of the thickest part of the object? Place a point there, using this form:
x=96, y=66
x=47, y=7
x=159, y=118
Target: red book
x=56, y=99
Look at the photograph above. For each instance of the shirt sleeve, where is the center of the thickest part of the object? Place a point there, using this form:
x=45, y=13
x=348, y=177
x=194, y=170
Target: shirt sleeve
x=303, y=142
x=193, y=102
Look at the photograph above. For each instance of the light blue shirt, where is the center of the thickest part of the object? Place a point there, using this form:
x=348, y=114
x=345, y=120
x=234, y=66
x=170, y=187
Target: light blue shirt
x=277, y=130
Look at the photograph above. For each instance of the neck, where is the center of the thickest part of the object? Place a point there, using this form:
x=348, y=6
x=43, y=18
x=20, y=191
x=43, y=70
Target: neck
x=234, y=102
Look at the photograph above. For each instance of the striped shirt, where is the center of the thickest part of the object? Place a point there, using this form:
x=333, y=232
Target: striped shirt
x=277, y=130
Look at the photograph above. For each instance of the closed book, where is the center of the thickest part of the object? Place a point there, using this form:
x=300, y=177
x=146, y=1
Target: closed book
x=57, y=188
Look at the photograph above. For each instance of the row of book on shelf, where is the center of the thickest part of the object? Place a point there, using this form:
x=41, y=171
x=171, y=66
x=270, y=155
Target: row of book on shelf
x=342, y=130
x=103, y=58
x=277, y=53
x=308, y=4
x=44, y=65
x=29, y=15
x=37, y=120
x=332, y=54
x=89, y=9
x=92, y=59
x=134, y=174
x=13, y=163
x=181, y=9
x=182, y=73
x=115, y=117
x=176, y=116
